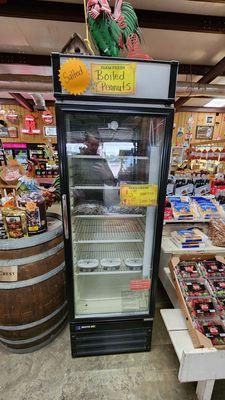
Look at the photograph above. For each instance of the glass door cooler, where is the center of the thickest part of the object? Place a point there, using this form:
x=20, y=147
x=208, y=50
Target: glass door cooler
x=114, y=157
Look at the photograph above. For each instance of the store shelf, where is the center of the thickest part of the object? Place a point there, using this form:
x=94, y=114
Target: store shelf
x=110, y=216
x=108, y=231
x=100, y=271
x=116, y=306
x=168, y=247
x=108, y=158
x=193, y=221
x=94, y=187
x=108, y=250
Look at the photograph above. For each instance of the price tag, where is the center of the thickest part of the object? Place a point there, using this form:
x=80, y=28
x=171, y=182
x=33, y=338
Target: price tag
x=138, y=195
x=140, y=284
x=113, y=78
x=9, y=274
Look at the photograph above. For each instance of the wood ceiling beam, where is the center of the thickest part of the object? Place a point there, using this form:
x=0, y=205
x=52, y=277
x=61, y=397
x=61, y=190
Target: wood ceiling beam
x=27, y=59
x=55, y=11
x=212, y=74
x=25, y=78
x=209, y=1
x=22, y=101
x=201, y=109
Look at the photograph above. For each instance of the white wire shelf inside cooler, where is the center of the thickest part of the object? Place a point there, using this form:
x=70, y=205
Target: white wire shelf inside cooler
x=101, y=251
x=108, y=230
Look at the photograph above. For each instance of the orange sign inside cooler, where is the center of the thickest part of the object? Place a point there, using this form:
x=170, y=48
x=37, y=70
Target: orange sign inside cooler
x=138, y=195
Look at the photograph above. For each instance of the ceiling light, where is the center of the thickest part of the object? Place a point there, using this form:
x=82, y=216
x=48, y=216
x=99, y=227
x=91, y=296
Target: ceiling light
x=216, y=103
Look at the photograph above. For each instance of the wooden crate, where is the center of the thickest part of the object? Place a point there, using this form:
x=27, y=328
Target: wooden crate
x=199, y=340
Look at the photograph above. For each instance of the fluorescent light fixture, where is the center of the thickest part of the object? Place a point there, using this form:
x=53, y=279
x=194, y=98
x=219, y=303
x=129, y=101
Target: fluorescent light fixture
x=216, y=103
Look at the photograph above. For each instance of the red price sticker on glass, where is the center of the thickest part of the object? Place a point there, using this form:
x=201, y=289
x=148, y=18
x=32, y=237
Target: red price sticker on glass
x=140, y=284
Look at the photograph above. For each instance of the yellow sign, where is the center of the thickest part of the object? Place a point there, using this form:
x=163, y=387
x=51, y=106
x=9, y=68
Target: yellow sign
x=74, y=76
x=138, y=195
x=113, y=78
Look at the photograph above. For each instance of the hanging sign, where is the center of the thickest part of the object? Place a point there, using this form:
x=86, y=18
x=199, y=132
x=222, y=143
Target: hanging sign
x=30, y=123
x=138, y=195
x=47, y=117
x=12, y=116
x=113, y=78
x=74, y=76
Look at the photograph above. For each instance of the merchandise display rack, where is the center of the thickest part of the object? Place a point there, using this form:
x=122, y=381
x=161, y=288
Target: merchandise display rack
x=201, y=365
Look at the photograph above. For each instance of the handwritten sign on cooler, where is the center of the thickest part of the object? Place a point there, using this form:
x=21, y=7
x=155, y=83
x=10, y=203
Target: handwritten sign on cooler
x=138, y=195
x=113, y=78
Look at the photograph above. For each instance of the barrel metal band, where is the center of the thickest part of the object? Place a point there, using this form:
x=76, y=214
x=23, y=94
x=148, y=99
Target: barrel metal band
x=33, y=281
x=35, y=338
x=33, y=324
x=32, y=259
x=26, y=350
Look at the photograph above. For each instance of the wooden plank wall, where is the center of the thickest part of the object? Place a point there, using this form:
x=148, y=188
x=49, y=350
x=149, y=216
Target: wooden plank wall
x=26, y=138
x=181, y=121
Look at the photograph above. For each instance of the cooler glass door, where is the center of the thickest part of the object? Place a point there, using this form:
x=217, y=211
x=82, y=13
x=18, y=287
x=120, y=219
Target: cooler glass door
x=112, y=241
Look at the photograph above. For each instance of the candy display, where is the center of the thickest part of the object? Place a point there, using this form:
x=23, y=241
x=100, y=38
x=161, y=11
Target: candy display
x=187, y=269
x=216, y=232
x=34, y=205
x=212, y=268
x=218, y=286
x=189, y=238
x=182, y=208
x=208, y=208
x=15, y=222
x=194, y=288
x=213, y=329
x=199, y=308
x=221, y=304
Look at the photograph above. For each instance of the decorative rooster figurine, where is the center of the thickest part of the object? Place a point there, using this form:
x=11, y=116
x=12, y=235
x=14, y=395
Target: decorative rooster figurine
x=113, y=32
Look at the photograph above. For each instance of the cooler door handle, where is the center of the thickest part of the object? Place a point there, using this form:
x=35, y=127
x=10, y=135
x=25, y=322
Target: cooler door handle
x=65, y=216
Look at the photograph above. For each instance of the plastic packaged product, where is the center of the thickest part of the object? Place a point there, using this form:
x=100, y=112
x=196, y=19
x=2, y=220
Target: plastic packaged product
x=3, y=234
x=212, y=268
x=208, y=208
x=134, y=264
x=15, y=222
x=187, y=269
x=34, y=205
x=189, y=238
x=213, y=329
x=202, y=307
x=194, y=288
x=111, y=264
x=87, y=265
x=218, y=286
x=8, y=201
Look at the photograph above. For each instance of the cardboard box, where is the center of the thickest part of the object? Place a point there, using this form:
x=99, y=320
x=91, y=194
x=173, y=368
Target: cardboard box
x=199, y=340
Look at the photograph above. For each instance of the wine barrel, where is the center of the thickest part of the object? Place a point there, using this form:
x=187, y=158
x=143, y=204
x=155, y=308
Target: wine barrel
x=33, y=305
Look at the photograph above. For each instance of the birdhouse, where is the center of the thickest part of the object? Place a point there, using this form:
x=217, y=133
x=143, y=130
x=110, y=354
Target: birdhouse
x=76, y=45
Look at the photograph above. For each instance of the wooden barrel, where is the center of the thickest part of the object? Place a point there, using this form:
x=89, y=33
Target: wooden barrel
x=33, y=304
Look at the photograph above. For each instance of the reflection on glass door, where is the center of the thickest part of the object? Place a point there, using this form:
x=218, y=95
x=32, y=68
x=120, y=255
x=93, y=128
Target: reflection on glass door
x=112, y=244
